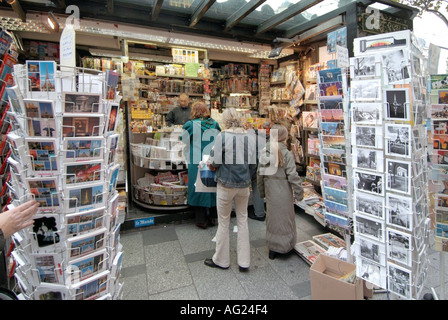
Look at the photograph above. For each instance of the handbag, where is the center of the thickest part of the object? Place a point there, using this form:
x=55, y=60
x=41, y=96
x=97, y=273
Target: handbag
x=200, y=187
x=207, y=177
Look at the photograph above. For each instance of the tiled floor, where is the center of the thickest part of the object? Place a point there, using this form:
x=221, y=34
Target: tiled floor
x=165, y=262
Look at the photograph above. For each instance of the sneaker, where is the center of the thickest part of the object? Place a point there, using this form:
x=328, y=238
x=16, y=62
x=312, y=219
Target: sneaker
x=252, y=215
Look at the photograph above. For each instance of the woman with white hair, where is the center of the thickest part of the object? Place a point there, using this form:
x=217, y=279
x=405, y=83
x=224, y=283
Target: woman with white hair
x=279, y=183
x=234, y=159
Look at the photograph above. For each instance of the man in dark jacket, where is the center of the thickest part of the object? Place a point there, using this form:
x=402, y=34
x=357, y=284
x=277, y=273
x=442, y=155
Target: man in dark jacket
x=181, y=114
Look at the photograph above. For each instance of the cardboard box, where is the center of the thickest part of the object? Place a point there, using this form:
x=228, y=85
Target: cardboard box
x=325, y=283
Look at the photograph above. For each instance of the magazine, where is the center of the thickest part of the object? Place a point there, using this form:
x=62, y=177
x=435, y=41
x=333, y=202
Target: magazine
x=309, y=250
x=327, y=240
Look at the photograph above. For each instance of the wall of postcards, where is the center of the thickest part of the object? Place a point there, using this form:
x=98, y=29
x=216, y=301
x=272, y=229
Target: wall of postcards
x=389, y=154
x=64, y=156
x=438, y=150
x=334, y=136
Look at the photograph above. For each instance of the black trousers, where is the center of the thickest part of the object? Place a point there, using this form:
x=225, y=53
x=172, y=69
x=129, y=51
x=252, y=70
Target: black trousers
x=202, y=214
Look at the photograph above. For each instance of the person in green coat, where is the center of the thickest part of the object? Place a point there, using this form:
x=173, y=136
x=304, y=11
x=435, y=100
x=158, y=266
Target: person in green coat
x=199, y=134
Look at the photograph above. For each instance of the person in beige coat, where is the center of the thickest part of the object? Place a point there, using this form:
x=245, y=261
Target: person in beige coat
x=279, y=183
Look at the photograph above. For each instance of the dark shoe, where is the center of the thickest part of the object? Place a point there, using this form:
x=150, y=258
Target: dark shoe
x=201, y=225
x=242, y=269
x=212, y=222
x=210, y=263
x=252, y=215
x=272, y=254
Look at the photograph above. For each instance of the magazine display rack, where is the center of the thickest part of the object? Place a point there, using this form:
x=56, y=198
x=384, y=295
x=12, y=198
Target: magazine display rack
x=334, y=136
x=438, y=174
x=391, y=212
x=64, y=156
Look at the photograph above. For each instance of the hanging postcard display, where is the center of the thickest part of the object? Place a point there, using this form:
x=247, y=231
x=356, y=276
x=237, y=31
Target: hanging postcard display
x=334, y=133
x=63, y=156
x=391, y=216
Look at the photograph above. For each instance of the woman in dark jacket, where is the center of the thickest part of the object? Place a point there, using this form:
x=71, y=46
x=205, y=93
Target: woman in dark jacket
x=203, y=203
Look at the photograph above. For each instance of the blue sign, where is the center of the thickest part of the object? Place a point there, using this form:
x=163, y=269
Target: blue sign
x=143, y=222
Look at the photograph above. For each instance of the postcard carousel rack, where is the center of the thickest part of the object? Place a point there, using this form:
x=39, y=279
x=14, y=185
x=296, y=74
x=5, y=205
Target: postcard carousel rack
x=64, y=156
x=391, y=212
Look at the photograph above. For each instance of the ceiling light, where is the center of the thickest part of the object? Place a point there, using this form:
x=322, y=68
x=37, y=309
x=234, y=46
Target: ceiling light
x=54, y=25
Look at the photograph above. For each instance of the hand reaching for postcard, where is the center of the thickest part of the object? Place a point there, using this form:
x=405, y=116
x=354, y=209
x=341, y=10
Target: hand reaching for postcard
x=18, y=218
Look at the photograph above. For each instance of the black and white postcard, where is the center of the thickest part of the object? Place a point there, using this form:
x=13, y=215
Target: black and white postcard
x=399, y=247
x=399, y=211
x=369, y=159
x=397, y=66
x=365, y=67
x=77, y=102
x=371, y=250
x=398, y=177
x=399, y=280
x=367, y=136
x=370, y=227
x=369, y=182
x=46, y=234
x=398, y=140
x=397, y=104
x=371, y=272
x=366, y=90
x=370, y=204
x=367, y=113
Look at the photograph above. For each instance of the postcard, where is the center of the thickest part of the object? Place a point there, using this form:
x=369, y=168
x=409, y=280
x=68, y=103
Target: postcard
x=49, y=291
x=38, y=127
x=371, y=272
x=16, y=123
x=47, y=267
x=369, y=159
x=336, y=208
x=46, y=192
x=113, y=177
x=112, y=119
x=440, y=142
x=331, y=102
x=338, y=221
x=111, y=148
x=41, y=75
x=371, y=250
x=333, y=142
x=439, y=157
x=440, y=126
x=85, y=221
x=366, y=90
x=398, y=177
x=399, y=247
x=311, y=93
x=112, y=214
x=39, y=108
x=16, y=100
x=370, y=227
x=398, y=140
x=441, y=201
x=330, y=75
x=332, y=128
x=335, y=195
x=86, y=243
x=368, y=66
x=367, y=136
x=330, y=89
x=46, y=233
x=84, y=197
x=369, y=182
x=367, y=113
x=399, y=211
x=439, y=81
x=332, y=115
x=83, y=172
x=397, y=66
x=81, y=102
x=380, y=42
x=443, y=97
x=83, y=149
x=397, y=104
x=337, y=169
x=84, y=267
x=439, y=111
x=369, y=204
x=82, y=125
x=420, y=135
x=334, y=155
x=42, y=155
x=335, y=182
x=93, y=287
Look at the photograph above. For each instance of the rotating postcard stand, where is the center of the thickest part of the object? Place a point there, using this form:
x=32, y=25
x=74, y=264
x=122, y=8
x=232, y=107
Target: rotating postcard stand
x=389, y=160
x=334, y=136
x=62, y=156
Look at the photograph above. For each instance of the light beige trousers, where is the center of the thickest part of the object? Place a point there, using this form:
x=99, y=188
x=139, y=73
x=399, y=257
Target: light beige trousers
x=224, y=198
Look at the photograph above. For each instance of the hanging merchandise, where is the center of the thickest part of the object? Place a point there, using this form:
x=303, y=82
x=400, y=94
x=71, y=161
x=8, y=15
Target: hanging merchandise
x=63, y=156
x=391, y=216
